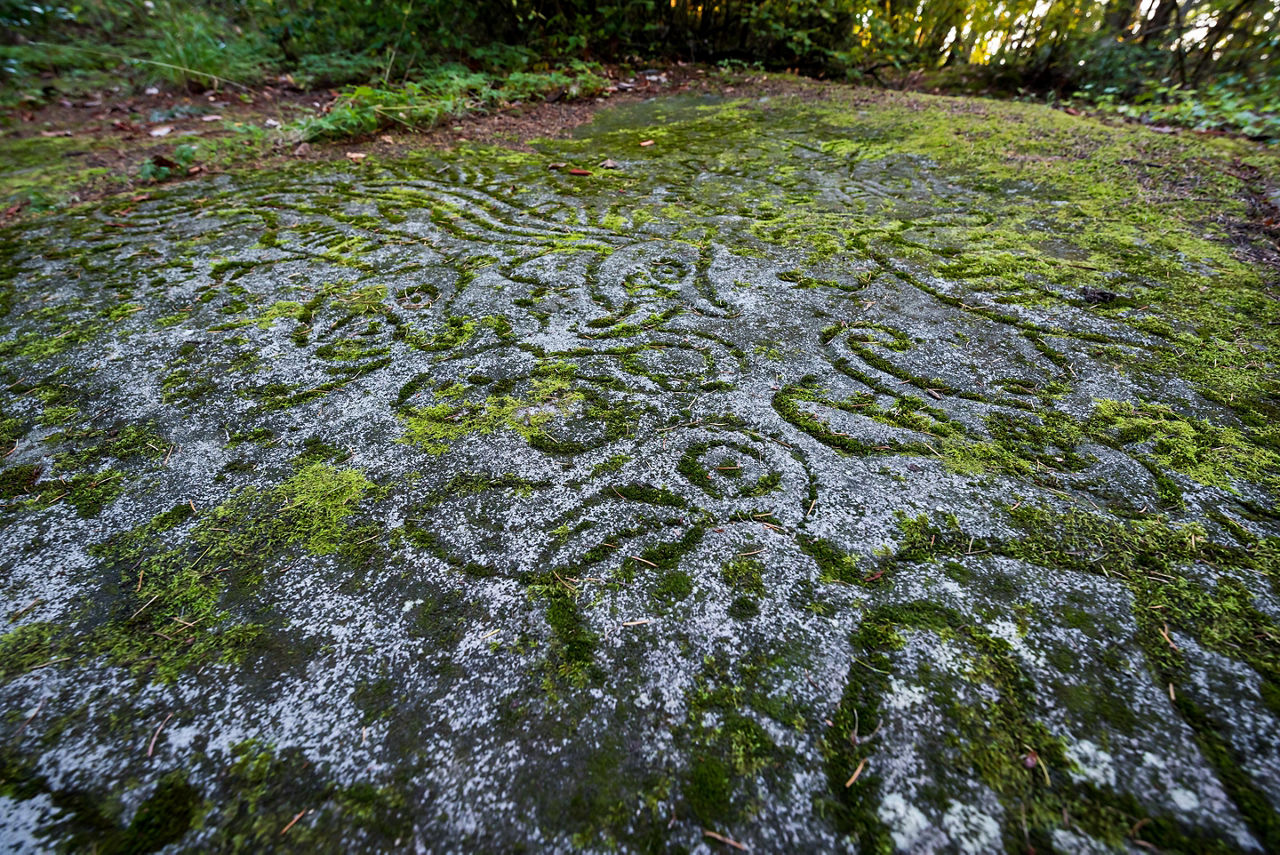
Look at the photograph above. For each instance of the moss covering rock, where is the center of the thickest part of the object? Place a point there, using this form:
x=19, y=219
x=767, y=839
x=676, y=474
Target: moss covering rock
x=876, y=472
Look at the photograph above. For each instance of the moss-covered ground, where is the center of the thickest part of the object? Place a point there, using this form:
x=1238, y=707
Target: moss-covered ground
x=861, y=473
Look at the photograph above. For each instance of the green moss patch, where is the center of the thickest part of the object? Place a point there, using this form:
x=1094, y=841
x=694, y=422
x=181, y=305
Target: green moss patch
x=170, y=612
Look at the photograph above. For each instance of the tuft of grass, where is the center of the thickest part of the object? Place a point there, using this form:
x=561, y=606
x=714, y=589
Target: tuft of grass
x=193, y=48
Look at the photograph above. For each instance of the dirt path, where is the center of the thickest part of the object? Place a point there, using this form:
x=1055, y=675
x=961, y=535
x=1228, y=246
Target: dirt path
x=85, y=149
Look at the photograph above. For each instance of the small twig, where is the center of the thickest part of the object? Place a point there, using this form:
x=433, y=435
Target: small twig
x=563, y=582
x=152, y=746
x=867, y=666
x=643, y=561
x=725, y=840
x=37, y=601
x=773, y=439
x=201, y=558
x=115, y=55
x=856, y=772
x=144, y=605
x=673, y=427
x=30, y=718
x=293, y=822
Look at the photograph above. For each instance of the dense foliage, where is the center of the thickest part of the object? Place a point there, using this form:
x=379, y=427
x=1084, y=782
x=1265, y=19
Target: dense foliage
x=1040, y=42
x=1175, y=54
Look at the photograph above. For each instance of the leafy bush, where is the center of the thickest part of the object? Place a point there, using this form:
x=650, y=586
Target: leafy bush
x=451, y=90
x=1232, y=103
x=335, y=69
x=160, y=168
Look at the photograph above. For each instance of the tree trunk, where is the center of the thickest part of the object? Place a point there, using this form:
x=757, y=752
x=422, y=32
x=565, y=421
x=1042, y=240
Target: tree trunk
x=1158, y=24
x=1119, y=16
x=1220, y=27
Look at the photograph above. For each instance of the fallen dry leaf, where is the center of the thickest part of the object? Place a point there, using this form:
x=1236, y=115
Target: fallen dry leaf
x=356, y=156
x=211, y=118
x=646, y=142
x=141, y=197
x=609, y=163
x=556, y=165
x=55, y=133
x=386, y=139
x=163, y=130
x=579, y=172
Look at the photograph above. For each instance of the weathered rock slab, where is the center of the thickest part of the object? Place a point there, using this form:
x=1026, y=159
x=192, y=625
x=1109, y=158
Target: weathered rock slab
x=887, y=473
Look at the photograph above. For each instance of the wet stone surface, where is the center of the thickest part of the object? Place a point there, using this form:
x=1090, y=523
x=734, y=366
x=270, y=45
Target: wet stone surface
x=843, y=477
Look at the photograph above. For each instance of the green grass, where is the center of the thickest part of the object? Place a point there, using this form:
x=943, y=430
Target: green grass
x=446, y=92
